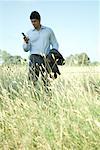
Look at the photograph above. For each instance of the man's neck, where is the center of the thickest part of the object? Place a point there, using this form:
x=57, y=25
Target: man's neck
x=38, y=28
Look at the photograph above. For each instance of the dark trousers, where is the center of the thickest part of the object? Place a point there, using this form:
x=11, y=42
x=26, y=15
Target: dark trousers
x=38, y=64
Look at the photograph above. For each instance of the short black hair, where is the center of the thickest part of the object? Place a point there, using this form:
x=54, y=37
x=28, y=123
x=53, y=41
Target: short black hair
x=35, y=15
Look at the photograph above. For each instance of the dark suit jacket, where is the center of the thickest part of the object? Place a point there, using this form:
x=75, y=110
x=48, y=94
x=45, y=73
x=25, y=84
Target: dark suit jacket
x=55, y=59
x=56, y=56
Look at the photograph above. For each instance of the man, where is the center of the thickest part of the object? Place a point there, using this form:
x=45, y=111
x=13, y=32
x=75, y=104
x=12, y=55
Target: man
x=38, y=41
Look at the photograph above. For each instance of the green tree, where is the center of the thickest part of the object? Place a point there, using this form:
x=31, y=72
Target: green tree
x=78, y=59
x=8, y=59
x=83, y=59
x=5, y=56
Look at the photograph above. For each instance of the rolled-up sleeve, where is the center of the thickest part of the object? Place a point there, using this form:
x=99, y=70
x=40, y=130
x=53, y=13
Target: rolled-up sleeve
x=53, y=41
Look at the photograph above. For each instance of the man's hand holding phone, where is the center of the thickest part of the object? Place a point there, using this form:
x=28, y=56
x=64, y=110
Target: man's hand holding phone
x=26, y=39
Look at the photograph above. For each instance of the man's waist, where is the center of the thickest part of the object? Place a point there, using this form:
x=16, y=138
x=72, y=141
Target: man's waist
x=36, y=56
x=38, y=53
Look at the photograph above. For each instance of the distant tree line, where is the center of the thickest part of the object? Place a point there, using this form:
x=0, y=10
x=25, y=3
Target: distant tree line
x=8, y=59
x=80, y=60
x=73, y=60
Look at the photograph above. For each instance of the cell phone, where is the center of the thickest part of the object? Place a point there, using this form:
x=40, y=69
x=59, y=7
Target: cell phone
x=23, y=35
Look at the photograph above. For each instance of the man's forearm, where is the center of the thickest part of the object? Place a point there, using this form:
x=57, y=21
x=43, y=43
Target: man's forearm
x=26, y=47
x=55, y=46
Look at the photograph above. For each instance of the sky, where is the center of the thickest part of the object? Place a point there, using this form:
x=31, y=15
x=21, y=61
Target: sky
x=76, y=25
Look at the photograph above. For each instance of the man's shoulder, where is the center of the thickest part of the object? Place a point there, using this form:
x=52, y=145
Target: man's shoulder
x=47, y=28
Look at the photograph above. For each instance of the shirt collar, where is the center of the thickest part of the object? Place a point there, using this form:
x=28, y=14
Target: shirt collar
x=42, y=27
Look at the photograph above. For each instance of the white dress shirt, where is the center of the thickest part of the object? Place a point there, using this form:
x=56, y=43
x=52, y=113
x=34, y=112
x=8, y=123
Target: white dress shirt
x=40, y=42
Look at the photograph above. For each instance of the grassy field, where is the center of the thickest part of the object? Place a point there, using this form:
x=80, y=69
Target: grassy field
x=66, y=118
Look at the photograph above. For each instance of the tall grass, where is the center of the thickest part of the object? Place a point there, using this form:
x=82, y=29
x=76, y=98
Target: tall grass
x=66, y=118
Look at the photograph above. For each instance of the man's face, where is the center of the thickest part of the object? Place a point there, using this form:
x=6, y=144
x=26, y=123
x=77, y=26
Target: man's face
x=35, y=23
